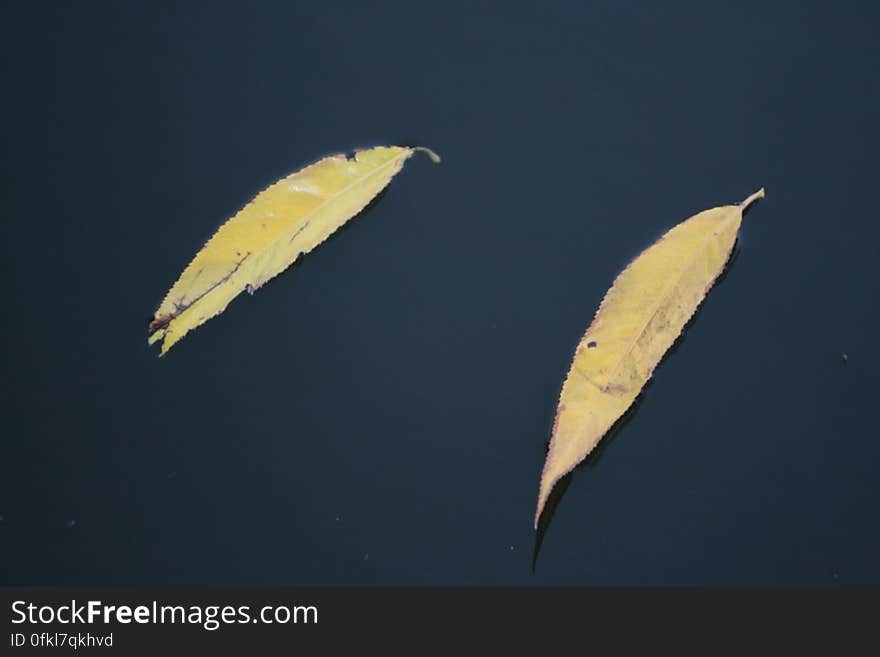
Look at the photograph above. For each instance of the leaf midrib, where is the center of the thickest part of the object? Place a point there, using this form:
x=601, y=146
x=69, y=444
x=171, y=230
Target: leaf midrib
x=305, y=218
x=672, y=285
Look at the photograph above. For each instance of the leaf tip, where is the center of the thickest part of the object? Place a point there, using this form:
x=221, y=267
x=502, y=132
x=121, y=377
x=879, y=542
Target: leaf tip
x=427, y=151
x=543, y=494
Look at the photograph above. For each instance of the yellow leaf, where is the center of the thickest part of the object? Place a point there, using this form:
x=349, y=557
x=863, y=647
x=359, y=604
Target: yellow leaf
x=640, y=317
x=265, y=237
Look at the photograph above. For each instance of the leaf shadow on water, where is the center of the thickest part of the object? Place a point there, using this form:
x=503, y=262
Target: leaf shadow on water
x=595, y=455
x=589, y=461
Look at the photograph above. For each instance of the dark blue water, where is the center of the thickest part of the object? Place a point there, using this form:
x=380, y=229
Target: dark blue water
x=379, y=414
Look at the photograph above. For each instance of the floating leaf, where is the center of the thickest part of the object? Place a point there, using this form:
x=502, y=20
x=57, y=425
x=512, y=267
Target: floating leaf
x=639, y=319
x=265, y=237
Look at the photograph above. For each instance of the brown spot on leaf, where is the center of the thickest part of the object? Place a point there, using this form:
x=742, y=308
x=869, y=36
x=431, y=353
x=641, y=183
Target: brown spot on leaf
x=160, y=322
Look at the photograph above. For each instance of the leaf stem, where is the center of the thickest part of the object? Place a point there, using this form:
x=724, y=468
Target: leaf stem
x=751, y=199
x=434, y=157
